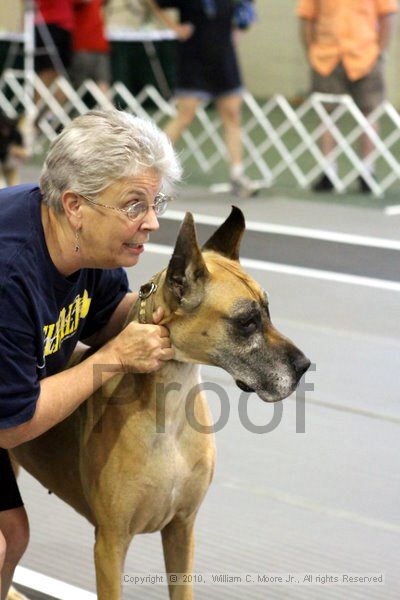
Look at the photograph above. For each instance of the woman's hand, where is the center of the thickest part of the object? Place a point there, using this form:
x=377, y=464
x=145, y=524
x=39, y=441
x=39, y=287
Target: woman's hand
x=184, y=31
x=142, y=348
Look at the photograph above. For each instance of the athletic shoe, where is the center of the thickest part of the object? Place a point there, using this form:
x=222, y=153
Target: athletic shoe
x=242, y=187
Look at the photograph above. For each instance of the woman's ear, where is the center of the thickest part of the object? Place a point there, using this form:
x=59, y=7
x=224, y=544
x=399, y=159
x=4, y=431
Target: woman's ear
x=72, y=203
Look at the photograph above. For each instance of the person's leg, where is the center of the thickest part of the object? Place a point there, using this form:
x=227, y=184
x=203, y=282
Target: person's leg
x=43, y=64
x=103, y=76
x=57, y=44
x=328, y=143
x=47, y=76
x=229, y=108
x=335, y=83
x=368, y=93
x=367, y=146
x=14, y=528
x=186, y=107
x=89, y=65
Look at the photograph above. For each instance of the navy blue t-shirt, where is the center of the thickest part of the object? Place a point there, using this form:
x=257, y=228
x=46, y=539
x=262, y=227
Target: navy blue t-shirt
x=42, y=313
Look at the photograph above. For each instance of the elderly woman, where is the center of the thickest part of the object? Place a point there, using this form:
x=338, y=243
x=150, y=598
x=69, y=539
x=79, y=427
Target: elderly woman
x=62, y=247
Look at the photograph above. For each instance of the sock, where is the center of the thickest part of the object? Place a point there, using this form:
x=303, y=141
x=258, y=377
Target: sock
x=237, y=171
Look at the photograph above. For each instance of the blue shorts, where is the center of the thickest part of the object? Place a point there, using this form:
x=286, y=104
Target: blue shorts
x=205, y=96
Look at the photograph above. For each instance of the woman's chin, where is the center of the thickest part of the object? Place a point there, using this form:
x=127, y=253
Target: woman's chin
x=128, y=262
x=130, y=255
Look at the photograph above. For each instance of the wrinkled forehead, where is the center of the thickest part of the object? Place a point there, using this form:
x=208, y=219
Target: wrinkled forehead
x=245, y=307
x=235, y=289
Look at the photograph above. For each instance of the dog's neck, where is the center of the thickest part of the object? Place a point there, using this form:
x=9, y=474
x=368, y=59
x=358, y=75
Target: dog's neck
x=148, y=300
x=151, y=297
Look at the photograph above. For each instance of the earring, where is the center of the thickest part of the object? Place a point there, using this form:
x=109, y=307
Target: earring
x=77, y=247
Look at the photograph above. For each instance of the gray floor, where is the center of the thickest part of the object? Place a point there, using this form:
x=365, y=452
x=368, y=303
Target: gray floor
x=323, y=501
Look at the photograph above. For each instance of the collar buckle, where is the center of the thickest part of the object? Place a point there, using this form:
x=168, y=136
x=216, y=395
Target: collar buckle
x=147, y=290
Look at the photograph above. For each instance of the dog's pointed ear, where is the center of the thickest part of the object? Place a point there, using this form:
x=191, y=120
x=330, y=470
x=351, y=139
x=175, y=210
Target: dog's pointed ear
x=187, y=272
x=226, y=240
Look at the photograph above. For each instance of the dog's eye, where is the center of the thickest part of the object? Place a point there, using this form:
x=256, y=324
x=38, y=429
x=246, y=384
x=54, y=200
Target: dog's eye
x=249, y=326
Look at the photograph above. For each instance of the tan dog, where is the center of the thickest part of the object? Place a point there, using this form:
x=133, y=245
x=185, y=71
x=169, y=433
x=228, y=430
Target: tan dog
x=108, y=461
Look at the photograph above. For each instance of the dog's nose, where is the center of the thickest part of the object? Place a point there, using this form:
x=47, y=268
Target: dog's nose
x=301, y=364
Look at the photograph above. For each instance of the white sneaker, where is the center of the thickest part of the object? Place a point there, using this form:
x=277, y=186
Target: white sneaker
x=242, y=187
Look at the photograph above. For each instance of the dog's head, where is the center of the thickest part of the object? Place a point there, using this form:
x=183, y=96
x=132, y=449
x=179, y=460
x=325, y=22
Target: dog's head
x=220, y=315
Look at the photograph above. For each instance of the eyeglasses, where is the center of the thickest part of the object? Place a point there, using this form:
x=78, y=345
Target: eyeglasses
x=138, y=210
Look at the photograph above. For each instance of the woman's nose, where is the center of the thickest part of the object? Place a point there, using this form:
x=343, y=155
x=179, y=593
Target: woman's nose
x=150, y=221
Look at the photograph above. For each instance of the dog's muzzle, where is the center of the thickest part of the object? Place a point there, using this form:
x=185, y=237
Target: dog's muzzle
x=243, y=386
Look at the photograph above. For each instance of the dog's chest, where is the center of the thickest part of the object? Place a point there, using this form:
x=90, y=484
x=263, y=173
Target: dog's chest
x=154, y=460
x=172, y=482
x=178, y=459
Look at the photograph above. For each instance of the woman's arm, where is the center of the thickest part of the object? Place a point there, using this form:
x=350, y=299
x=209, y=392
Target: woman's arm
x=183, y=30
x=385, y=30
x=307, y=31
x=138, y=348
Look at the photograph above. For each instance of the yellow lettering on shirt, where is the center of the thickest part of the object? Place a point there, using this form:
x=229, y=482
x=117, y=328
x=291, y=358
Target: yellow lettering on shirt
x=66, y=324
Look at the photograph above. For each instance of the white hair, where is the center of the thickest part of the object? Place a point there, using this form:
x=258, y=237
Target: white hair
x=100, y=147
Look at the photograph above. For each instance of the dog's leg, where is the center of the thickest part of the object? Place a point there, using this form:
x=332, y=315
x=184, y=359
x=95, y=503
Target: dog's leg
x=109, y=556
x=178, y=546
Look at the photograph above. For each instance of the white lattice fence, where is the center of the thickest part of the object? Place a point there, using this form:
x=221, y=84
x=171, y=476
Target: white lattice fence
x=278, y=139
